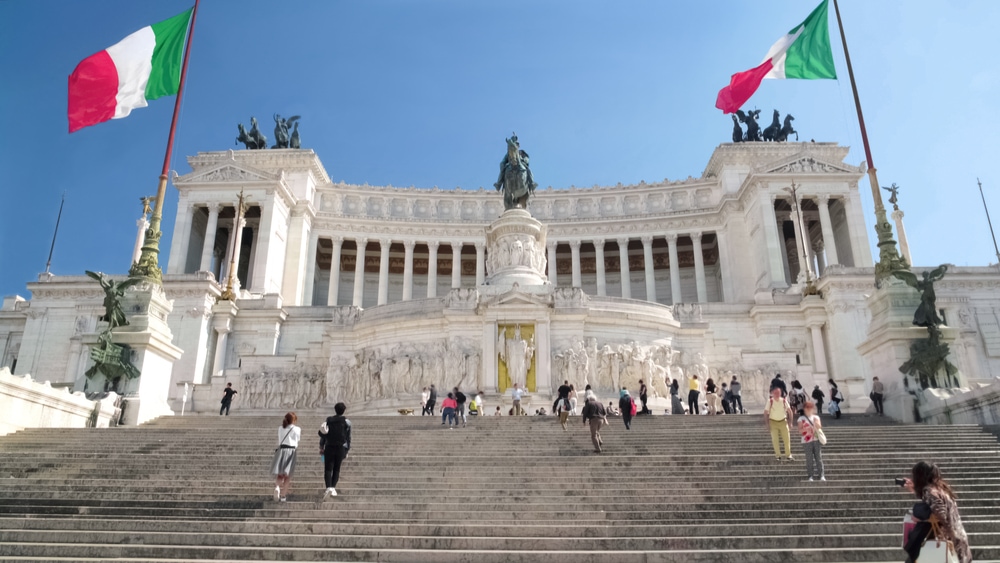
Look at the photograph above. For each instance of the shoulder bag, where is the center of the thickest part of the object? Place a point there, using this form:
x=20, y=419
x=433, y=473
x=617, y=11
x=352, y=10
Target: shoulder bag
x=937, y=550
x=817, y=432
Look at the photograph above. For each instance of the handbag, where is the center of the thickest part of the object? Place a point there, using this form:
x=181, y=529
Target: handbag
x=818, y=433
x=937, y=550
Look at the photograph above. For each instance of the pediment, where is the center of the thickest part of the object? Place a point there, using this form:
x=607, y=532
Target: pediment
x=516, y=297
x=807, y=164
x=226, y=172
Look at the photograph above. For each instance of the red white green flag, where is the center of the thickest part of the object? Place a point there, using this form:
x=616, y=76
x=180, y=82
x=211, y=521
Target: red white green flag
x=804, y=52
x=144, y=66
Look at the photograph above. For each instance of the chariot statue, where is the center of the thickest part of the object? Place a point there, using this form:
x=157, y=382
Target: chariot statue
x=515, y=179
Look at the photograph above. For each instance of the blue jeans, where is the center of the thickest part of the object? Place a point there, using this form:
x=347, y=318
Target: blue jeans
x=449, y=414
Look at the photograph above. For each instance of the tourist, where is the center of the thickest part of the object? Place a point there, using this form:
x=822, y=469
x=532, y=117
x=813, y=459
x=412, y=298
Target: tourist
x=676, y=406
x=588, y=393
x=644, y=398
x=712, y=396
x=425, y=395
x=431, y=400
x=334, y=445
x=627, y=405
x=227, y=398
x=778, y=417
x=562, y=393
x=694, y=387
x=818, y=395
x=516, y=394
x=594, y=413
x=448, y=407
x=498, y=412
x=778, y=383
x=562, y=409
x=836, y=397
x=572, y=399
x=809, y=423
x=473, y=407
x=878, y=393
x=735, y=388
x=727, y=399
x=460, y=399
x=930, y=487
x=283, y=462
x=797, y=398
x=612, y=411
x=480, y=403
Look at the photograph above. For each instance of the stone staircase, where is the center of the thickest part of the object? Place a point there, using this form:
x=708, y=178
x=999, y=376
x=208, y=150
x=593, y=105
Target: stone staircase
x=505, y=489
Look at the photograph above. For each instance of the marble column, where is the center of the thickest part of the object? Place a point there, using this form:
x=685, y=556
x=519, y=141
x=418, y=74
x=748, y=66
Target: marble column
x=262, y=250
x=480, y=263
x=602, y=282
x=182, y=239
x=307, y=294
x=551, y=249
x=383, y=271
x=333, y=291
x=209, y=247
x=221, y=344
x=432, y=268
x=140, y=237
x=647, y=262
x=228, y=256
x=624, y=268
x=456, y=265
x=237, y=248
x=574, y=249
x=699, y=268
x=819, y=350
x=904, y=246
x=675, y=270
x=780, y=218
x=826, y=225
x=820, y=260
x=359, y=273
x=725, y=267
x=800, y=252
x=408, y=269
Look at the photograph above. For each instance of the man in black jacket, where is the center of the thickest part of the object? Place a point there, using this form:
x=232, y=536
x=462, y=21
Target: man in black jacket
x=334, y=443
x=431, y=400
x=777, y=383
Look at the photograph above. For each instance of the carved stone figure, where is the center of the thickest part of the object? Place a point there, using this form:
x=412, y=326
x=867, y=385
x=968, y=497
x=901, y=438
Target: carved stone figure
x=515, y=179
x=281, y=125
x=516, y=354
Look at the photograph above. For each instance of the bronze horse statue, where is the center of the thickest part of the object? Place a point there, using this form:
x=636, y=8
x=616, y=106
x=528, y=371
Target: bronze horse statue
x=750, y=118
x=772, y=130
x=787, y=130
x=737, y=130
x=252, y=139
x=515, y=178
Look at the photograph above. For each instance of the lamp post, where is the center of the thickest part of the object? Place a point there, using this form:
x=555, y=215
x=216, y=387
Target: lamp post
x=229, y=294
x=801, y=236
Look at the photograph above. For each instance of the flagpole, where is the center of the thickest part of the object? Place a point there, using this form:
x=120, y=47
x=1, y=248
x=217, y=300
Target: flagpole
x=889, y=259
x=147, y=267
x=986, y=209
x=48, y=264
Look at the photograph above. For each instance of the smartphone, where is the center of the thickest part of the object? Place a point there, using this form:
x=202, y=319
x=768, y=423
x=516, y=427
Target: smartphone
x=900, y=482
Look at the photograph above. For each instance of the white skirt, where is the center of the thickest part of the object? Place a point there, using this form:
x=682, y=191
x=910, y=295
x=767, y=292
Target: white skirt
x=283, y=462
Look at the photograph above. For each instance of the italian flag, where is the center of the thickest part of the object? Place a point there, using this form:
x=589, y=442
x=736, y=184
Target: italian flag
x=144, y=66
x=804, y=52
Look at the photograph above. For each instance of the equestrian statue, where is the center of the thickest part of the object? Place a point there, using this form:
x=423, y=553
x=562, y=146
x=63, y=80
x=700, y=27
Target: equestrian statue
x=515, y=179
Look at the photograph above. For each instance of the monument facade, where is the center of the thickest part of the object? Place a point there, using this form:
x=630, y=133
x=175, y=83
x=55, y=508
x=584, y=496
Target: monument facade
x=369, y=293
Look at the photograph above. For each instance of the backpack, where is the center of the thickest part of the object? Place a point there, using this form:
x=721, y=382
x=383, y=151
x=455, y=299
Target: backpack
x=460, y=397
x=632, y=406
x=336, y=432
x=472, y=405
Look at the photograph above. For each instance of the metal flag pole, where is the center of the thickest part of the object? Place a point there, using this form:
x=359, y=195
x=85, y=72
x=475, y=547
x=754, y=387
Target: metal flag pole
x=48, y=265
x=889, y=258
x=148, y=265
x=986, y=209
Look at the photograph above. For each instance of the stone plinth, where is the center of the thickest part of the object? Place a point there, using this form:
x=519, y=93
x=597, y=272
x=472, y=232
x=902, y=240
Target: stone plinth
x=153, y=352
x=516, y=250
x=25, y=403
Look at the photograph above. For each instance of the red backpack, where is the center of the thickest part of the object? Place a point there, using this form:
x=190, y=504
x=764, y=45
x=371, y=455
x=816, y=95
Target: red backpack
x=632, y=407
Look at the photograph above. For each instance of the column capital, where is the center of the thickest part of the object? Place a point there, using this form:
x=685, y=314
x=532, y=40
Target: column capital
x=823, y=200
x=551, y=245
x=647, y=240
x=480, y=246
x=432, y=245
x=696, y=237
x=599, y=243
x=336, y=240
x=575, y=244
x=361, y=241
x=818, y=246
x=622, y=242
x=671, y=238
x=385, y=243
x=457, y=245
x=783, y=215
x=814, y=324
x=215, y=208
x=408, y=245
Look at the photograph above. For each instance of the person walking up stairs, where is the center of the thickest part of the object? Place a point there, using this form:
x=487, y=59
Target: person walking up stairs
x=334, y=445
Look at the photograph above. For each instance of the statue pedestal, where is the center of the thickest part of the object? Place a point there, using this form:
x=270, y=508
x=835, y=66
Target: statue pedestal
x=887, y=347
x=153, y=353
x=516, y=250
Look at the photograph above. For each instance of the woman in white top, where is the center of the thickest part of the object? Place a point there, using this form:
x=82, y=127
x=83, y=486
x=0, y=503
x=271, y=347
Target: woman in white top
x=424, y=397
x=283, y=463
x=572, y=400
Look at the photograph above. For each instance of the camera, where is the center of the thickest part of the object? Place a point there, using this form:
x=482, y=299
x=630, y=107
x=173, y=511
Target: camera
x=900, y=482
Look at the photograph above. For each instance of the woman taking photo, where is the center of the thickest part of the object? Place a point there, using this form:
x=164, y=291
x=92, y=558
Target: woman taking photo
x=283, y=463
x=927, y=483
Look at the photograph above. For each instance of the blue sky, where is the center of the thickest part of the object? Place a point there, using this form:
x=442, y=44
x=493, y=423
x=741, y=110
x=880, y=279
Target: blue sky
x=423, y=93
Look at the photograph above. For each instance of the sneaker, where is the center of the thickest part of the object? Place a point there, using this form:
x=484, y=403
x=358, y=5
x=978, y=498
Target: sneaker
x=333, y=492
x=790, y=458
x=810, y=479
x=777, y=458
x=283, y=499
x=277, y=494
x=822, y=478
x=329, y=493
